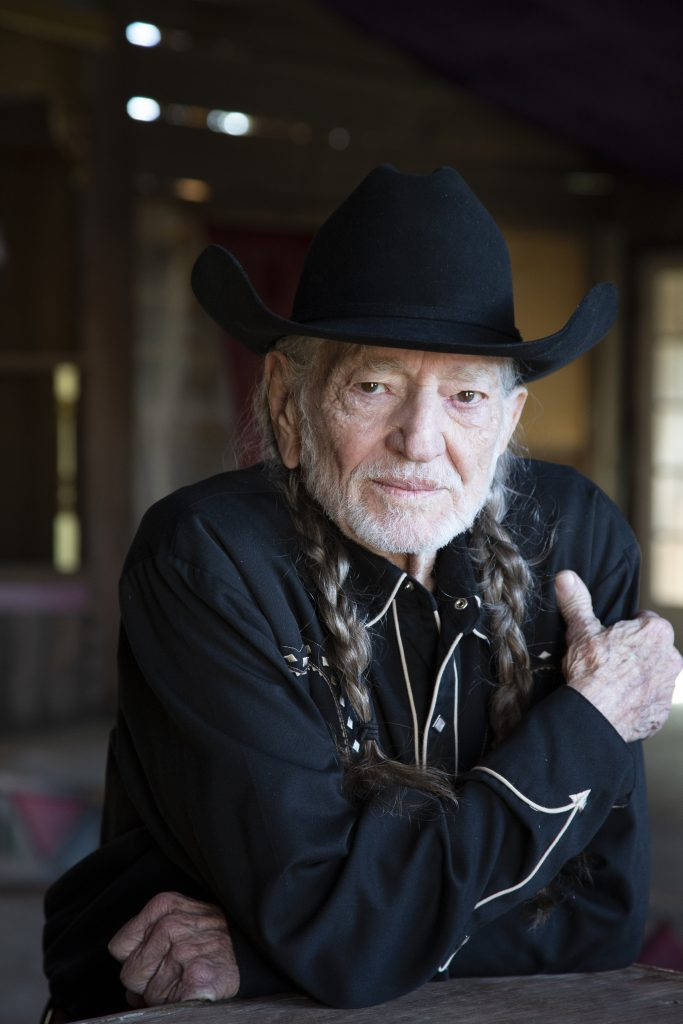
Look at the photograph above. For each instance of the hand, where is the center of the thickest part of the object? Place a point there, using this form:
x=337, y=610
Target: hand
x=627, y=671
x=176, y=948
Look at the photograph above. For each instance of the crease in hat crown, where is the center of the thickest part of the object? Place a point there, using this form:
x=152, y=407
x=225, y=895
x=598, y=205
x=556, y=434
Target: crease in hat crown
x=406, y=260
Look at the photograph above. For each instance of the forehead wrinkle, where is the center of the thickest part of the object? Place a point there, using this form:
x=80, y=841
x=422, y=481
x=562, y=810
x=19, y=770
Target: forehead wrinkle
x=463, y=373
x=379, y=364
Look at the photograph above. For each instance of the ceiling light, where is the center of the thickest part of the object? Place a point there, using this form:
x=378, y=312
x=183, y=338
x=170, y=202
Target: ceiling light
x=339, y=138
x=193, y=190
x=142, y=33
x=231, y=122
x=143, y=108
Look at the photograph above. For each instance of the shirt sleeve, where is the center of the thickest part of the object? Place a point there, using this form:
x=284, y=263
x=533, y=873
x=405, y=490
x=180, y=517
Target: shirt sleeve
x=598, y=921
x=230, y=764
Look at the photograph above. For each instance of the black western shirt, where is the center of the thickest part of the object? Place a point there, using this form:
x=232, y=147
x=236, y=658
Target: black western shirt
x=225, y=779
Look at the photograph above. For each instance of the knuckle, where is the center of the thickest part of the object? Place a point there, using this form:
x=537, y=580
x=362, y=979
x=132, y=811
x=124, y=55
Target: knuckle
x=200, y=973
x=163, y=902
x=174, y=929
x=160, y=936
x=661, y=629
x=184, y=951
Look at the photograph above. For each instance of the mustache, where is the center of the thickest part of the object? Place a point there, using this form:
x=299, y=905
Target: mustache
x=436, y=477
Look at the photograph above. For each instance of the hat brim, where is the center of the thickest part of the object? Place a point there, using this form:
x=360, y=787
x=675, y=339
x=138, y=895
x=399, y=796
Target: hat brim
x=224, y=290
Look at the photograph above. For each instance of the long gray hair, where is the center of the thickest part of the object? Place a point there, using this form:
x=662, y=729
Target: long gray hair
x=506, y=582
x=507, y=587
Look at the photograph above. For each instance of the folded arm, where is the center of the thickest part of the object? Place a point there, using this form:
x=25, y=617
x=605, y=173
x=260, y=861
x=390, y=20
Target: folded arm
x=354, y=905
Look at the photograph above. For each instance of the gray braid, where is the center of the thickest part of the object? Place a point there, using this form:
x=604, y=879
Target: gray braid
x=506, y=582
x=350, y=648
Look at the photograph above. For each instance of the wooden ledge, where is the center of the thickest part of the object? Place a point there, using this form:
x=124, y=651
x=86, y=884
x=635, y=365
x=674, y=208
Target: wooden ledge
x=634, y=995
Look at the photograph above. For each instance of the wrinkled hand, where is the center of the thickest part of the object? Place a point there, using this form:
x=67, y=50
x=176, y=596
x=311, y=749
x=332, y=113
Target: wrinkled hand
x=627, y=671
x=176, y=948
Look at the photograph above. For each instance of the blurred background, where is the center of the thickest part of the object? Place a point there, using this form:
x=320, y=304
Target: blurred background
x=133, y=133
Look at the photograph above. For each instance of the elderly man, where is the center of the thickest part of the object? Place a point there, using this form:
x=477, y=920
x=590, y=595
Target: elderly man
x=381, y=694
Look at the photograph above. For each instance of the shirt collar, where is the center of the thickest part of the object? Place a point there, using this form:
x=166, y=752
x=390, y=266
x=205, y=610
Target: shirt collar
x=374, y=580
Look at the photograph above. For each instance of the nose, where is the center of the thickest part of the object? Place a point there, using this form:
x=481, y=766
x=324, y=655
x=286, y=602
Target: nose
x=418, y=433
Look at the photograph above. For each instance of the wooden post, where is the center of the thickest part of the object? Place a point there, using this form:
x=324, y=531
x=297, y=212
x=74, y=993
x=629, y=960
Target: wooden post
x=107, y=343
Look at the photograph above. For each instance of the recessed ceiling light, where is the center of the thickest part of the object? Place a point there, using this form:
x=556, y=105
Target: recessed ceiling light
x=231, y=122
x=143, y=33
x=143, y=108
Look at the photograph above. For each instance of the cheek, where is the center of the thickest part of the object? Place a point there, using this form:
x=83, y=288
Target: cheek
x=352, y=439
x=474, y=451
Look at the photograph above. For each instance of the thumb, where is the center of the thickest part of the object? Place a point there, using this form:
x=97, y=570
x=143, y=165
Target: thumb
x=575, y=603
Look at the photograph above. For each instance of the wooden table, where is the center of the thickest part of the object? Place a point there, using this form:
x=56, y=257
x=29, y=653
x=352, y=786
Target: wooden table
x=635, y=995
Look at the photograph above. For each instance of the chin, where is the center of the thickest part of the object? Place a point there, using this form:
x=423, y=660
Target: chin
x=400, y=534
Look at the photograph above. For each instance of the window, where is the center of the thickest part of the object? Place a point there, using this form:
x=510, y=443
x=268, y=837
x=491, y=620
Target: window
x=666, y=417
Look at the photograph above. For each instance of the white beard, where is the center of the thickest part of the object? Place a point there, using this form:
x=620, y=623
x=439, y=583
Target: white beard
x=390, y=526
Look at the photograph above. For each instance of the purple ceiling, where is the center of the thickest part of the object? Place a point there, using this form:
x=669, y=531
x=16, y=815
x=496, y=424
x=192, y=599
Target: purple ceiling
x=604, y=74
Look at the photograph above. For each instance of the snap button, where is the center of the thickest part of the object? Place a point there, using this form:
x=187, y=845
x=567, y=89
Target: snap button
x=460, y=603
x=408, y=585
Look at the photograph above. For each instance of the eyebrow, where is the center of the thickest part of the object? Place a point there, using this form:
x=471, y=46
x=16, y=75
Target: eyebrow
x=463, y=375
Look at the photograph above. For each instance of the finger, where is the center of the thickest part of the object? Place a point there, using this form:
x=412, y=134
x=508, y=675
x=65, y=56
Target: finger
x=128, y=938
x=659, y=627
x=191, y=970
x=576, y=605
x=164, y=983
x=145, y=960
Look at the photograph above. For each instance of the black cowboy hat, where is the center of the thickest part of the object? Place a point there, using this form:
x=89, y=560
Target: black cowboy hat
x=407, y=261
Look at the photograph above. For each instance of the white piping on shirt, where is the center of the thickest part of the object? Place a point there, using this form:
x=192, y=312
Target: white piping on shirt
x=391, y=597
x=416, y=733
x=444, y=967
x=456, y=698
x=435, y=694
x=576, y=804
x=583, y=796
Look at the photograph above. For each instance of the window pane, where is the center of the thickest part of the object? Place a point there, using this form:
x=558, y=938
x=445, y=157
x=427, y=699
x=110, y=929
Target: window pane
x=667, y=572
x=27, y=451
x=666, y=483
x=667, y=436
x=668, y=369
x=669, y=301
x=667, y=504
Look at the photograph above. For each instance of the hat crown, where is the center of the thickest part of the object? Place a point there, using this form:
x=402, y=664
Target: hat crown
x=411, y=245
x=408, y=261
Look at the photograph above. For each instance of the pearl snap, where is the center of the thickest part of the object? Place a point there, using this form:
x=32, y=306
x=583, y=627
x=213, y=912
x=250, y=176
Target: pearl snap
x=460, y=603
x=408, y=585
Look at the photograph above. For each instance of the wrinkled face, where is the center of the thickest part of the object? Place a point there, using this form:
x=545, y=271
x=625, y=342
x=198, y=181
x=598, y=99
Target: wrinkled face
x=402, y=445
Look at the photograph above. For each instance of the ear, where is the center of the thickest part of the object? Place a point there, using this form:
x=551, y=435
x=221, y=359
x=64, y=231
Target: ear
x=283, y=414
x=514, y=404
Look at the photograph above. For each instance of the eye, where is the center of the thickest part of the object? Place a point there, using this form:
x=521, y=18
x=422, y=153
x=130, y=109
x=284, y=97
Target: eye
x=371, y=387
x=469, y=397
